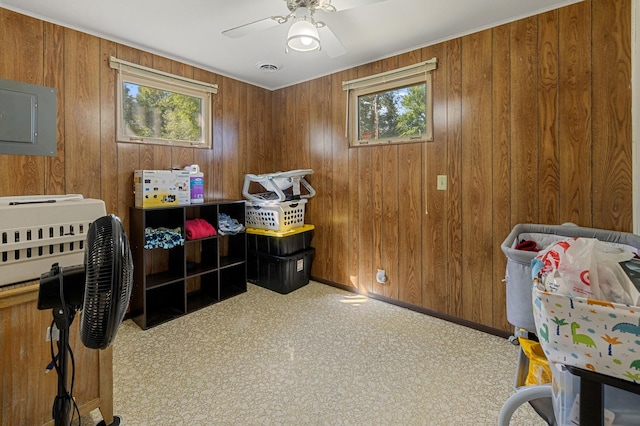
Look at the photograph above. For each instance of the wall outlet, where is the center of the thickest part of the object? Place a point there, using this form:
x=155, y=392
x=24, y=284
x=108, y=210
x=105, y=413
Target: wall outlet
x=52, y=334
x=442, y=182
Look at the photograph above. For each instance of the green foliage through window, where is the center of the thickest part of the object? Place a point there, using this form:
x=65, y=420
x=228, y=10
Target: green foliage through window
x=393, y=113
x=156, y=107
x=161, y=114
x=391, y=107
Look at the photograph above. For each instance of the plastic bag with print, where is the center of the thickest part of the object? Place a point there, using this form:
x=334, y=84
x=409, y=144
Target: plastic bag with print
x=586, y=267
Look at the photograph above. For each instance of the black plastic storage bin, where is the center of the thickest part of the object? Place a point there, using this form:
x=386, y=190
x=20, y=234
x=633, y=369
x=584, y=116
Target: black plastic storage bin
x=282, y=274
x=280, y=243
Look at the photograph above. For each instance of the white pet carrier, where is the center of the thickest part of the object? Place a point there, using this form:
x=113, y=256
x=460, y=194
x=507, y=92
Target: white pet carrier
x=38, y=231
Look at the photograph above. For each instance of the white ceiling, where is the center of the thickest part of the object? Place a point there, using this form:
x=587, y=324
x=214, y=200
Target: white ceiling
x=190, y=31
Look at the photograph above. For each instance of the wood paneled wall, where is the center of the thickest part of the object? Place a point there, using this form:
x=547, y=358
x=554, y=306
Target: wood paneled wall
x=532, y=124
x=89, y=161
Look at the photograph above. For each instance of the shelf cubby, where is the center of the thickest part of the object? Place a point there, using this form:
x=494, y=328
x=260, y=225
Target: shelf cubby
x=203, y=291
x=164, y=303
x=233, y=280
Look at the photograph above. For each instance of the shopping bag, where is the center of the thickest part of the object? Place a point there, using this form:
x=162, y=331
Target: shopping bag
x=586, y=267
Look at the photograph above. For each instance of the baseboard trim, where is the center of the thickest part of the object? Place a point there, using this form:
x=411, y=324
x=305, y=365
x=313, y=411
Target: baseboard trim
x=432, y=313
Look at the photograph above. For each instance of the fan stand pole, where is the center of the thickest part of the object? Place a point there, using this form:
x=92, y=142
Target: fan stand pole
x=62, y=402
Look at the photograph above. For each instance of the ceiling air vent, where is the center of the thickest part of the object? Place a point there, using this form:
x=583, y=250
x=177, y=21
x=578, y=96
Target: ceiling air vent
x=268, y=67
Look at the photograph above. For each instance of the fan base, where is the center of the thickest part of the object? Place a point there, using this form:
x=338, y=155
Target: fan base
x=116, y=422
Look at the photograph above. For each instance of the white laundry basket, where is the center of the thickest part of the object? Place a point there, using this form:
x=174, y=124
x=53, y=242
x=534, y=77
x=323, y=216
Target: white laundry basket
x=280, y=216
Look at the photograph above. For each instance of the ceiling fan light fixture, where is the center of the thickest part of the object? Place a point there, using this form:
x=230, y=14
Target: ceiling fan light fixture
x=303, y=35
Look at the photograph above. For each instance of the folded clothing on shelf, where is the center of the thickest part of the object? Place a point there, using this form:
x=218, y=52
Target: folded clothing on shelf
x=162, y=238
x=229, y=226
x=198, y=228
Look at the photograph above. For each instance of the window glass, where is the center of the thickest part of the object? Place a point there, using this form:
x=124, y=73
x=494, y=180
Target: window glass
x=161, y=114
x=393, y=114
x=397, y=112
x=158, y=112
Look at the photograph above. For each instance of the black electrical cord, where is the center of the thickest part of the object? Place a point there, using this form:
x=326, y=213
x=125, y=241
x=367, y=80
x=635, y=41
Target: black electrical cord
x=54, y=357
x=76, y=409
x=55, y=360
x=68, y=394
x=53, y=363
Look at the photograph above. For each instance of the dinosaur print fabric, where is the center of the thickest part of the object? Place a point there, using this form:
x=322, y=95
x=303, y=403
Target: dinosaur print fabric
x=587, y=333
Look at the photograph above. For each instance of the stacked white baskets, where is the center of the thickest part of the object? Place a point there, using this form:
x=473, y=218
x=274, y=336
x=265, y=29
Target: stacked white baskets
x=281, y=205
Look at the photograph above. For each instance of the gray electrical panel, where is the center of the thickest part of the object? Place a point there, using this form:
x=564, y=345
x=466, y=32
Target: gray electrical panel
x=27, y=119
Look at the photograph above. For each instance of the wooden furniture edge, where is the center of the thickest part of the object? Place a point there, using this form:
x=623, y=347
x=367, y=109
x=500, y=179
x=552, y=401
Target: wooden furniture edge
x=21, y=293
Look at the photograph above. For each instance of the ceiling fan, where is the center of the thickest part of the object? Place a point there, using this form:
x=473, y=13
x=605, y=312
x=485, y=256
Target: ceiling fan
x=305, y=31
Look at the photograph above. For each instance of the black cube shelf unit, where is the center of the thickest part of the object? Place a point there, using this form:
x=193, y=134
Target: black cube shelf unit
x=169, y=283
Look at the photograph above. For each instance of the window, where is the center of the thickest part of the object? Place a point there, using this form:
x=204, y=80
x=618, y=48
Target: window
x=392, y=107
x=160, y=108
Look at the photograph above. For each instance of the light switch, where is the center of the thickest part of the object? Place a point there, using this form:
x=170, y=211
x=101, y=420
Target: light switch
x=442, y=182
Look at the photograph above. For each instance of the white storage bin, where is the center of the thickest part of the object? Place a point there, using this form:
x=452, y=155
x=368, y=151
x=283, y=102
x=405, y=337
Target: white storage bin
x=275, y=216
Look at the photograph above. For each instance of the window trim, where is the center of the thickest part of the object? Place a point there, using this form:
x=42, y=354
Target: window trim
x=140, y=75
x=395, y=79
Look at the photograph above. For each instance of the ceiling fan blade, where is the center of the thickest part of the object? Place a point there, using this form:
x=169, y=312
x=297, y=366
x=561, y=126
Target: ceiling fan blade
x=249, y=28
x=330, y=43
x=351, y=4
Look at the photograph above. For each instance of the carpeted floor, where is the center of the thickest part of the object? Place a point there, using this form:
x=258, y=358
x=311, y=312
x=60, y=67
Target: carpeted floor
x=317, y=356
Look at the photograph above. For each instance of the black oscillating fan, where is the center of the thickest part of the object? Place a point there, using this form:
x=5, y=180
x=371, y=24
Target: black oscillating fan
x=101, y=287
